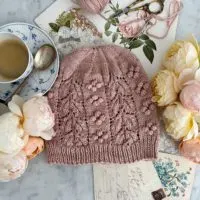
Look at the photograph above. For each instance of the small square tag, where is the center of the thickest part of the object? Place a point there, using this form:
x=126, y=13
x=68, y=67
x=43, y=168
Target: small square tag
x=158, y=194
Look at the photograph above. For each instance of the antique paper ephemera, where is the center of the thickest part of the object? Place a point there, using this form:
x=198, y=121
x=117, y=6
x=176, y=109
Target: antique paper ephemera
x=126, y=182
x=170, y=177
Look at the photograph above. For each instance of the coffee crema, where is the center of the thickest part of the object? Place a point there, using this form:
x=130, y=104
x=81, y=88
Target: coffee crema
x=13, y=58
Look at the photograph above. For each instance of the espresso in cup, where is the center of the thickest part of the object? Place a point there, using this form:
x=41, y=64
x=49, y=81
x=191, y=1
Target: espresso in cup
x=13, y=59
x=16, y=60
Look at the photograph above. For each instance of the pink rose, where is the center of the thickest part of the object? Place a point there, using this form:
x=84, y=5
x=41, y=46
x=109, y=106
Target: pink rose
x=190, y=96
x=133, y=24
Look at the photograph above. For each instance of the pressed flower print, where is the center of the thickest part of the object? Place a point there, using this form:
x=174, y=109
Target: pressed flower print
x=176, y=175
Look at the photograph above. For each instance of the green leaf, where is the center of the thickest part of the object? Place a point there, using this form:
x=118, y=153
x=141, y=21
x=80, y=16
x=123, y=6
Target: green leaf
x=64, y=19
x=107, y=11
x=117, y=6
x=108, y=33
x=144, y=37
x=114, y=21
x=125, y=40
x=113, y=8
x=114, y=37
x=107, y=26
x=117, y=20
x=151, y=44
x=135, y=44
x=54, y=27
x=69, y=24
x=148, y=53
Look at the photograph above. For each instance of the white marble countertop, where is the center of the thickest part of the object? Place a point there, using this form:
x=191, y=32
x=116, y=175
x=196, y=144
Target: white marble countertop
x=45, y=182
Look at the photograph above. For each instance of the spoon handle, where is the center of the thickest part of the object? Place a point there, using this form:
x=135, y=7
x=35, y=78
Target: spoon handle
x=19, y=88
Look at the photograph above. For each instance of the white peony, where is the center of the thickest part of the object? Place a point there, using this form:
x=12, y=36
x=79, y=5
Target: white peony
x=12, y=137
x=12, y=166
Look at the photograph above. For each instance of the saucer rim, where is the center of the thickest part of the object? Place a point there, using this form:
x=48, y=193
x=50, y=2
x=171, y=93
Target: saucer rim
x=49, y=37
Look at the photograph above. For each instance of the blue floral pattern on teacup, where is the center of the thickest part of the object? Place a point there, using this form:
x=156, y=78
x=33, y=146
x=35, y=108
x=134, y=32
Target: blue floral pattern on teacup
x=39, y=81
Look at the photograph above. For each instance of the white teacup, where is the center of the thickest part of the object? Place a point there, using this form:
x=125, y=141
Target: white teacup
x=10, y=36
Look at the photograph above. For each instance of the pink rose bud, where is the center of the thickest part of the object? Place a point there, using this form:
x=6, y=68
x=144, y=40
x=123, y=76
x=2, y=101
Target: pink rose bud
x=133, y=24
x=190, y=96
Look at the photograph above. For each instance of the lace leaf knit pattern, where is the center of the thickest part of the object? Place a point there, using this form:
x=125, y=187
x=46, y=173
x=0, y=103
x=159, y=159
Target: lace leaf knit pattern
x=103, y=109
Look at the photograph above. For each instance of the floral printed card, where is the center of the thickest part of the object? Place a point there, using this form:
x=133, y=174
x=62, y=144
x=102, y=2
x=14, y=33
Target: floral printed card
x=134, y=181
x=176, y=174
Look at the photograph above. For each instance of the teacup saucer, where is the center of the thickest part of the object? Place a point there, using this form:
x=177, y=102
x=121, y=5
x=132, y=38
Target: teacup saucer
x=39, y=81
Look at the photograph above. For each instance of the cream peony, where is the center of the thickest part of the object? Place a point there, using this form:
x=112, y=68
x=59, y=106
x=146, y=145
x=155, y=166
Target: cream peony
x=37, y=116
x=12, y=166
x=182, y=55
x=180, y=123
x=190, y=96
x=12, y=137
x=165, y=88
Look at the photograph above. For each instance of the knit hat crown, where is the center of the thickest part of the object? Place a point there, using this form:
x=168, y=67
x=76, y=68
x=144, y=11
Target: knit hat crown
x=103, y=109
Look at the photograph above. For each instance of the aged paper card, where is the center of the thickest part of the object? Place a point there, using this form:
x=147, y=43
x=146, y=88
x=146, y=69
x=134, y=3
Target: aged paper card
x=126, y=182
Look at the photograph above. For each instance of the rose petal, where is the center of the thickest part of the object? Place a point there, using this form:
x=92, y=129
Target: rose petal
x=14, y=108
x=185, y=76
x=197, y=75
x=18, y=100
x=34, y=147
x=191, y=149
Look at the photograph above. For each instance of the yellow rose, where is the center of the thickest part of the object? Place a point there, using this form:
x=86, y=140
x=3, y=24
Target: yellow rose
x=165, y=88
x=182, y=55
x=180, y=123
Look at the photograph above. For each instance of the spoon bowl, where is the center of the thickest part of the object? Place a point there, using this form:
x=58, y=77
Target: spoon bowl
x=44, y=57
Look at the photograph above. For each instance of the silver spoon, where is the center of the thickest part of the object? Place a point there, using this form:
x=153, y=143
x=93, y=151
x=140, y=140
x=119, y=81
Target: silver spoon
x=44, y=57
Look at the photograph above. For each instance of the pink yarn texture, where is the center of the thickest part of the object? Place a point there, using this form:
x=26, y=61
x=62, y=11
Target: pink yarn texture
x=103, y=109
x=93, y=6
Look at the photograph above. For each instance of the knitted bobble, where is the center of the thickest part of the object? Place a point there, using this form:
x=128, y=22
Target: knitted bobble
x=100, y=133
x=147, y=107
x=50, y=95
x=133, y=72
x=94, y=85
x=100, y=137
x=98, y=118
x=150, y=129
x=141, y=88
x=96, y=100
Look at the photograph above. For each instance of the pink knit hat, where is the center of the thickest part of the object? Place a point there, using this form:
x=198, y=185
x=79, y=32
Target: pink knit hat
x=103, y=109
